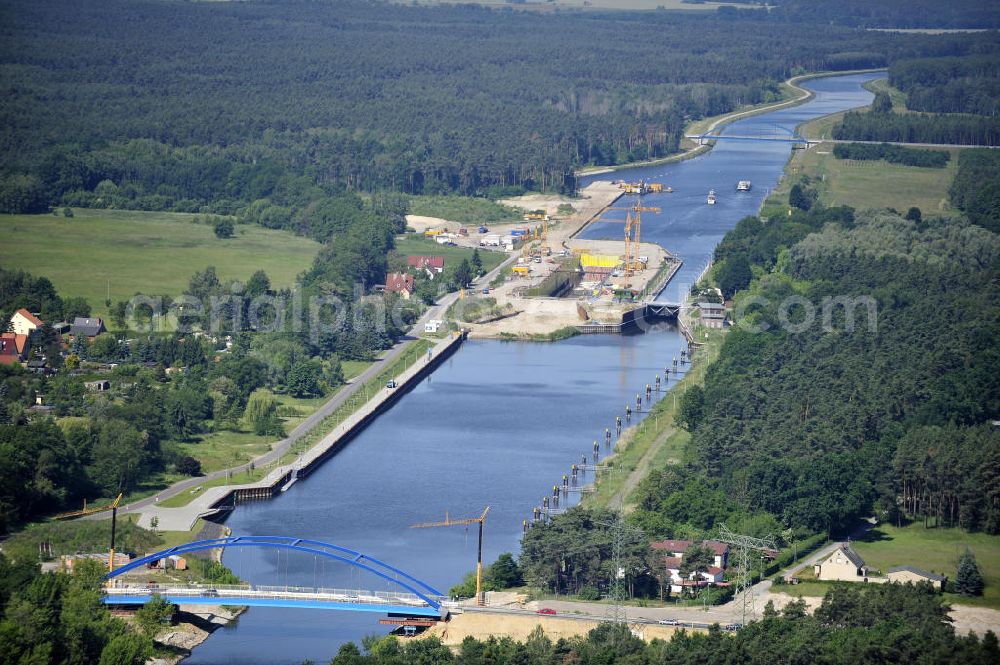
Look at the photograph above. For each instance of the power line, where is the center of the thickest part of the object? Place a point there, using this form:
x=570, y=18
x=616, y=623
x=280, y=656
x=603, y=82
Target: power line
x=744, y=547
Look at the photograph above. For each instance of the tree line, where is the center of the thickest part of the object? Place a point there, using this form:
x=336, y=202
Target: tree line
x=894, y=154
x=969, y=84
x=976, y=187
x=863, y=14
x=812, y=442
x=918, y=128
x=104, y=110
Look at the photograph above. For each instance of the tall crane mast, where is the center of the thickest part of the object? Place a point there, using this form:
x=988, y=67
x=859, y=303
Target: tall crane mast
x=632, y=239
x=479, y=557
x=114, y=526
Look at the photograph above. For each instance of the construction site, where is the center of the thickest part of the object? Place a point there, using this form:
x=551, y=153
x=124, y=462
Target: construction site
x=555, y=281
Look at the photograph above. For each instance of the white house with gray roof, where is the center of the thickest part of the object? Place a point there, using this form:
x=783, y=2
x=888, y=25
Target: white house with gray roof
x=844, y=565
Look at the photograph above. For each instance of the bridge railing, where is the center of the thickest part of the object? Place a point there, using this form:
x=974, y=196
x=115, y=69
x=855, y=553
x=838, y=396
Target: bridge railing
x=272, y=591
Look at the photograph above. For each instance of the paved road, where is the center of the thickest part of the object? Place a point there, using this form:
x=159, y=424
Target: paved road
x=280, y=448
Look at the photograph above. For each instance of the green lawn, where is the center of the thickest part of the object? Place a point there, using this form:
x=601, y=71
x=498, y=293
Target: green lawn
x=871, y=184
x=936, y=550
x=866, y=184
x=464, y=209
x=224, y=449
x=417, y=245
x=156, y=253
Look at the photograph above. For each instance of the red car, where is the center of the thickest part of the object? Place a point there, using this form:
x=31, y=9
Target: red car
x=545, y=610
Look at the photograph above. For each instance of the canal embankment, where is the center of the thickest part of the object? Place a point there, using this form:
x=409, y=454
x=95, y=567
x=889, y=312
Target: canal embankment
x=226, y=497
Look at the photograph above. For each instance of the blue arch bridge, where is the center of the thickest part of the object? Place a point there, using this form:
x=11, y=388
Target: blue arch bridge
x=409, y=597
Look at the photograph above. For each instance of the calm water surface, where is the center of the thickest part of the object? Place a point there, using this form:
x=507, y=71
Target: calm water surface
x=497, y=425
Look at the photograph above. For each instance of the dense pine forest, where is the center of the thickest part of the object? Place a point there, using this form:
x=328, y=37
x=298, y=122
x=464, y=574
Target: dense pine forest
x=950, y=99
x=859, y=379
x=961, y=14
x=277, y=106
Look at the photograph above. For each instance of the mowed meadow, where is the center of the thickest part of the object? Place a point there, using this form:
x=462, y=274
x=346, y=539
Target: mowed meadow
x=100, y=252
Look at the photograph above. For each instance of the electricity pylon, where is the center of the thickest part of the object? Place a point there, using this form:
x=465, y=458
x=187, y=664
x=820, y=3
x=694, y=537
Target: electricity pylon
x=743, y=547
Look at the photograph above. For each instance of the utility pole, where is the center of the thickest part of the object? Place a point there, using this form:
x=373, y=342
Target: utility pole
x=622, y=534
x=743, y=548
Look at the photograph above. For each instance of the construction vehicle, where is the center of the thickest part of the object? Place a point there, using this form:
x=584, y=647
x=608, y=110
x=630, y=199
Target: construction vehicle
x=481, y=520
x=521, y=271
x=538, y=215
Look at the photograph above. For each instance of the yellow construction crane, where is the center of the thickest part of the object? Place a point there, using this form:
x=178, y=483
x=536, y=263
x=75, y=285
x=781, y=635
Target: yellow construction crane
x=114, y=524
x=632, y=263
x=479, y=557
x=632, y=239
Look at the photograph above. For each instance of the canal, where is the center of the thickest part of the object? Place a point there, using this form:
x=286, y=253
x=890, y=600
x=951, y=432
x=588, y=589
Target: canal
x=498, y=424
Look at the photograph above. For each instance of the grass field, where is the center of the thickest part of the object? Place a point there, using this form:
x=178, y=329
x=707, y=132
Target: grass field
x=416, y=245
x=463, y=209
x=936, y=550
x=866, y=184
x=156, y=253
x=871, y=184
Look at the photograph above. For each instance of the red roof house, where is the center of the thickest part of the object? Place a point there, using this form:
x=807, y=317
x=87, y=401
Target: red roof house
x=13, y=348
x=399, y=282
x=435, y=263
x=677, y=548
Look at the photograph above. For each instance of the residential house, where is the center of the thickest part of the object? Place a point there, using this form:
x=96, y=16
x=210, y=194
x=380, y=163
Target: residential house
x=677, y=548
x=720, y=550
x=432, y=264
x=103, y=385
x=24, y=322
x=401, y=283
x=87, y=327
x=674, y=551
x=713, y=315
x=844, y=564
x=912, y=574
x=13, y=348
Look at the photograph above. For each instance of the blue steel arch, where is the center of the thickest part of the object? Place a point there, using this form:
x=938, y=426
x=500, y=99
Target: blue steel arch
x=316, y=547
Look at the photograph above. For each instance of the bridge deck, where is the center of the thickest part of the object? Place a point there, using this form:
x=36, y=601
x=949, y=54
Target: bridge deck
x=324, y=599
x=737, y=137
